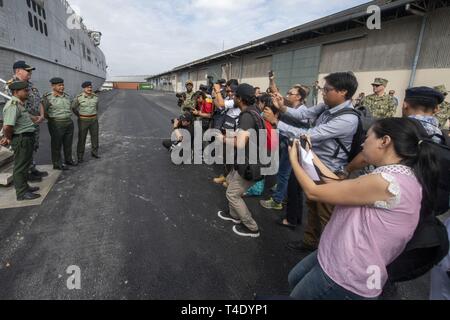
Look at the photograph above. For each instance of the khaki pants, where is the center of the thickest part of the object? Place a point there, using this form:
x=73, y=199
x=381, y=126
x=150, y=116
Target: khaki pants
x=318, y=216
x=237, y=186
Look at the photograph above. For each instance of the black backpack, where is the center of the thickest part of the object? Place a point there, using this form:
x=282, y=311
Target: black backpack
x=430, y=243
x=365, y=121
x=252, y=172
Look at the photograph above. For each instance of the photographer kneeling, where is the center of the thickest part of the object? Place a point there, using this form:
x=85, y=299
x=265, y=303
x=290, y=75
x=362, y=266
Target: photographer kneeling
x=184, y=122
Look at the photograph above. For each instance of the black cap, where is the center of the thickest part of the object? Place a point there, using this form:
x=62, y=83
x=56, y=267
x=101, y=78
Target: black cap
x=245, y=91
x=56, y=80
x=18, y=85
x=424, y=96
x=86, y=84
x=23, y=65
x=186, y=117
x=203, y=88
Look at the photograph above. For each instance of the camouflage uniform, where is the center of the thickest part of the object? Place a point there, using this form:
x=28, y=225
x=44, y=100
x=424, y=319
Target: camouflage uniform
x=444, y=109
x=189, y=103
x=32, y=106
x=380, y=106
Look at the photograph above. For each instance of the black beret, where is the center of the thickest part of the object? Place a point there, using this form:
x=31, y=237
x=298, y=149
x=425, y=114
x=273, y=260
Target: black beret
x=22, y=65
x=425, y=96
x=203, y=87
x=86, y=84
x=18, y=85
x=56, y=80
x=245, y=91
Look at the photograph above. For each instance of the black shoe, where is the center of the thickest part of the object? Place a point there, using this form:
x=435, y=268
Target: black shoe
x=38, y=173
x=96, y=156
x=300, y=246
x=227, y=217
x=29, y=196
x=71, y=163
x=33, y=189
x=243, y=231
x=61, y=168
x=34, y=178
x=288, y=225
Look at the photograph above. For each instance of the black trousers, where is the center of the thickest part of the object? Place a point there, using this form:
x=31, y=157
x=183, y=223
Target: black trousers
x=294, y=208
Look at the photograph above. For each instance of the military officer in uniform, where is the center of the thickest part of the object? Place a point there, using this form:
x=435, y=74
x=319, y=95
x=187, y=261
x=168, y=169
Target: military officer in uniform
x=19, y=132
x=380, y=104
x=443, y=114
x=23, y=72
x=58, y=111
x=85, y=106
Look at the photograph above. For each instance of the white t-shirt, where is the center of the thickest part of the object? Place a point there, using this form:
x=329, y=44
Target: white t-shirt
x=231, y=110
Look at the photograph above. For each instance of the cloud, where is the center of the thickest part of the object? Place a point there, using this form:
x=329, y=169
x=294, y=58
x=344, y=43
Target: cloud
x=149, y=37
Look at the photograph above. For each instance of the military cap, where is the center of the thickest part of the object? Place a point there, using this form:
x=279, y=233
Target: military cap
x=86, y=84
x=190, y=82
x=18, y=85
x=380, y=82
x=23, y=65
x=203, y=88
x=424, y=96
x=56, y=80
x=442, y=89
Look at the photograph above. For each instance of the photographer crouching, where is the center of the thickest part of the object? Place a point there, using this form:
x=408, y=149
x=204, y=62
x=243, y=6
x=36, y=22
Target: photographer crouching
x=182, y=126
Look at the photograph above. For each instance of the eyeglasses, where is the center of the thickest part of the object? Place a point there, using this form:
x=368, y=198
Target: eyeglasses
x=291, y=94
x=327, y=89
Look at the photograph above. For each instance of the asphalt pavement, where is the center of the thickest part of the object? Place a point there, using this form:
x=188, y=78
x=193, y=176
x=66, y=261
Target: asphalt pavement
x=139, y=227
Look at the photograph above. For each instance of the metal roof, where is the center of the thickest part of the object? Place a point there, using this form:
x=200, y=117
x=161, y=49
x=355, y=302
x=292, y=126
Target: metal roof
x=352, y=14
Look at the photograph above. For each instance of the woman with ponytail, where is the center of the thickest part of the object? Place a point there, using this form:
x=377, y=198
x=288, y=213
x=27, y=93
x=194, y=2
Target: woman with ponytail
x=375, y=216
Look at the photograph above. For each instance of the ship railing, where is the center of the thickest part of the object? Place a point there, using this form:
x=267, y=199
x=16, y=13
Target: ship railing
x=3, y=94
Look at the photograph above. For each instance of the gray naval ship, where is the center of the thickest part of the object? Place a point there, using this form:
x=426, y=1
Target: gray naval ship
x=51, y=37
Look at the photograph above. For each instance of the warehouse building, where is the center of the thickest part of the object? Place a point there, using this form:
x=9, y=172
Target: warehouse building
x=129, y=82
x=411, y=48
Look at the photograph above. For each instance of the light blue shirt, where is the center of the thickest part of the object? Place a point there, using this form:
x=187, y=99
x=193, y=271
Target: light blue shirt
x=325, y=132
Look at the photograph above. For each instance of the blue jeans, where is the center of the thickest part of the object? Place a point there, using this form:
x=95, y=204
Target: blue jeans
x=308, y=281
x=284, y=172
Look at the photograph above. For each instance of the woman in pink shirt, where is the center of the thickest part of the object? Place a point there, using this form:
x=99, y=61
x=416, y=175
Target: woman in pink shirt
x=375, y=216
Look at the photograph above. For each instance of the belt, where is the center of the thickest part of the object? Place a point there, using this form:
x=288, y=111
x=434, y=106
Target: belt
x=25, y=134
x=88, y=117
x=61, y=120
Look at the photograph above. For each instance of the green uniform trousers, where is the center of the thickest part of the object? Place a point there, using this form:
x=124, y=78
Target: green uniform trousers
x=85, y=126
x=23, y=146
x=61, y=133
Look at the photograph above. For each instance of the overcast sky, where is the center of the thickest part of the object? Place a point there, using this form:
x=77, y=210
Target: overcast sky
x=145, y=37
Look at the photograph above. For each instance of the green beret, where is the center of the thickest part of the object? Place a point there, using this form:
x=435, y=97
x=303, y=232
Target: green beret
x=56, y=80
x=18, y=85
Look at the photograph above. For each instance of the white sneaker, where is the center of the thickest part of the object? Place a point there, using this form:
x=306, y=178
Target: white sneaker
x=227, y=217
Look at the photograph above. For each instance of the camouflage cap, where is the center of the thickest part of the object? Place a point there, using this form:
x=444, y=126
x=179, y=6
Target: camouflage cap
x=380, y=82
x=442, y=89
x=190, y=82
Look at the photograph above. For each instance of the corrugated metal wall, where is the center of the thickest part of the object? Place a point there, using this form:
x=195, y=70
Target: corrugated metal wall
x=436, y=44
x=391, y=48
